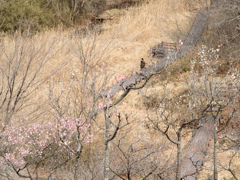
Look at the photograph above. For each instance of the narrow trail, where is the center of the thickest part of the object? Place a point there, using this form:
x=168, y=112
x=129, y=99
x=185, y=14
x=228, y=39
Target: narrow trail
x=194, y=155
x=188, y=45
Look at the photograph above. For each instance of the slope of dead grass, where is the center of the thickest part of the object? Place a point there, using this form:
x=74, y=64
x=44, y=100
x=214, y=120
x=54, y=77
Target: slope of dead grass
x=124, y=43
x=143, y=27
x=121, y=44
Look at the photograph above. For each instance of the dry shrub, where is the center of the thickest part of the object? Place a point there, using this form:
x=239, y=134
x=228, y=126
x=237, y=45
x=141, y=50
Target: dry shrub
x=223, y=27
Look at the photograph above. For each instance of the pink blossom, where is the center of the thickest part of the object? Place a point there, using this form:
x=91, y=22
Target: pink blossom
x=118, y=78
x=180, y=42
x=100, y=106
x=220, y=135
x=35, y=140
x=158, y=76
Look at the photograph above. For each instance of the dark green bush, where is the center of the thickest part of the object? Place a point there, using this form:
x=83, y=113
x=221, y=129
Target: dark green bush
x=26, y=15
x=34, y=15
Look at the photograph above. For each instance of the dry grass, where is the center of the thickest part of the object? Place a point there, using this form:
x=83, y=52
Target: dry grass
x=127, y=40
x=224, y=159
x=143, y=27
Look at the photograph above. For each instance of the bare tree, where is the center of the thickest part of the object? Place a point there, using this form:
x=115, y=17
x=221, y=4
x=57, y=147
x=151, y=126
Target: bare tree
x=23, y=71
x=199, y=98
x=138, y=158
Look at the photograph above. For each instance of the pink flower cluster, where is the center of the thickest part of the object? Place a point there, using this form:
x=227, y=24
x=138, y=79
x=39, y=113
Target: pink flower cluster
x=31, y=143
x=101, y=105
x=69, y=127
x=119, y=78
x=26, y=141
x=180, y=42
x=220, y=135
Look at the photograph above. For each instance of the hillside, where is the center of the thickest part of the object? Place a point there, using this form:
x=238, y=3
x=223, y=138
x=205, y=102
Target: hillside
x=51, y=82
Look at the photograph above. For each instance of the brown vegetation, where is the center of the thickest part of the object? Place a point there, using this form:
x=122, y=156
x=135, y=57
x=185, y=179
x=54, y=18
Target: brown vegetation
x=76, y=66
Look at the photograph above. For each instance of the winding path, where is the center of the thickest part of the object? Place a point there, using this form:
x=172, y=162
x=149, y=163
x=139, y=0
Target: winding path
x=188, y=45
x=194, y=155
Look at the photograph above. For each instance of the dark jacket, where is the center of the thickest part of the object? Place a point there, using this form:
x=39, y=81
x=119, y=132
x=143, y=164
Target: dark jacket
x=142, y=65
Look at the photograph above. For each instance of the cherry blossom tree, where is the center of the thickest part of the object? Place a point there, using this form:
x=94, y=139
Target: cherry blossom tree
x=27, y=147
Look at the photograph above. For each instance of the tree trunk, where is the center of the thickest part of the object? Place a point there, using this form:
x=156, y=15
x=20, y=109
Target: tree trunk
x=106, y=161
x=179, y=158
x=215, y=172
x=106, y=151
x=78, y=154
x=76, y=167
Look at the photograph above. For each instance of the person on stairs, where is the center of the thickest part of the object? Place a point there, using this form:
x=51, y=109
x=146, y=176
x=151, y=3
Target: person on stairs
x=142, y=64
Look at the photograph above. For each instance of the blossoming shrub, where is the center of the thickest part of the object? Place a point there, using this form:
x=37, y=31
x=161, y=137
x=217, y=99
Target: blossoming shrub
x=209, y=86
x=24, y=145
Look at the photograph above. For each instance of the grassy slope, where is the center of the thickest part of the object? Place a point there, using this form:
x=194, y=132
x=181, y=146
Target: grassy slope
x=131, y=37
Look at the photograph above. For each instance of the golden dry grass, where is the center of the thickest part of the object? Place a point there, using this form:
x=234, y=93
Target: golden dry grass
x=141, y=28
x=127, y=40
